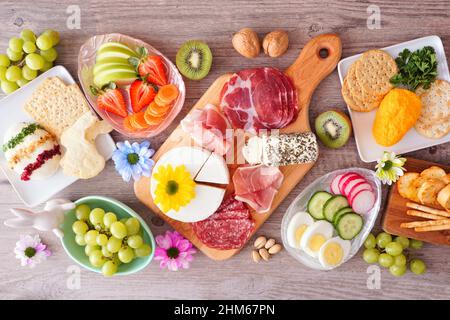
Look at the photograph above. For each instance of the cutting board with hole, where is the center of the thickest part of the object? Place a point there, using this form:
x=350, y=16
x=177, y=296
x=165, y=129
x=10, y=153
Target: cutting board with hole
x=395, y=213
x=316, y=61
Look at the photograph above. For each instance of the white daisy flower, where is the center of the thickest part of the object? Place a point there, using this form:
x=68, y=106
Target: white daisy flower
x=390, y=168
x=31, y=251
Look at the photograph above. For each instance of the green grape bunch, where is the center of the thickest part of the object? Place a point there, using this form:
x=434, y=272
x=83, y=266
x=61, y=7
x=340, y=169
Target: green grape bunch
x=108, y=241
x=392, y=253
x=26, y=57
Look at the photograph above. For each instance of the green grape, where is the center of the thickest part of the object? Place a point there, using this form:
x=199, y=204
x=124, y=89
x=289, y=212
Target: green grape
x=44, y=42
x=82, y=211
x=80, y=227
x=28, y=73
x=102, y=240
x=96, y=258
x=109, y=219
x=3, y=73
x=9, y=87
x=394, y=248
x=49, y=55
x=21, y=82
x=370, y=242
x=397, y=271
x=114, y=244
x=96, y=216
x=415, y=244
x=47, y=66
x=4, y=60
x=118, y=230
x=116, y=260
x=143, y=251
x=53, y=36
x=91, y=237
x=79, y=239
x=13, y=55
x=400, y=260
x=106, y=252
x=13, y=73
x=16, y=44
x=417, y=266
x=109, y=269
x=34, y=61
x=123, y=220
x=28, y=35
x=383, y=239
x=133, y=226
x=29, y=47
x=371, y=255
x=135, y=241
x=385, y=260
x=126, y=254
x=89, y=249
x=403, y=241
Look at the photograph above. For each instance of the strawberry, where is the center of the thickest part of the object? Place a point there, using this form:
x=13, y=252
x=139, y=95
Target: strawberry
x=142, y=94
x=150, y=67
x=110, y=98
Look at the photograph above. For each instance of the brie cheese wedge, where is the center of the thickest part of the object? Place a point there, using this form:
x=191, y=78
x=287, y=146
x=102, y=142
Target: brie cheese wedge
x=214, y=170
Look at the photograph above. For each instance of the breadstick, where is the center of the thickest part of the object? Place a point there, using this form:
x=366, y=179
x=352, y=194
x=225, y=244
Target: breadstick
x=417, y=224
x=421, y=214
x=427, y=209
x=433, y=228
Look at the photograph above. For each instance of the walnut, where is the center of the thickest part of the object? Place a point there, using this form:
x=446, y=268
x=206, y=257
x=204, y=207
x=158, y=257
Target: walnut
x=276, y=43
x=246, y=42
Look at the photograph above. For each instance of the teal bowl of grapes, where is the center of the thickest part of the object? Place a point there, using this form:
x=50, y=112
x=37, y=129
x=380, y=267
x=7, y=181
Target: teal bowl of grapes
x=137, y=245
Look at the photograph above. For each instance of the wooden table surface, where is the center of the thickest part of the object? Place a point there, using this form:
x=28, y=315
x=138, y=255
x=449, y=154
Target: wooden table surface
x=166, y=25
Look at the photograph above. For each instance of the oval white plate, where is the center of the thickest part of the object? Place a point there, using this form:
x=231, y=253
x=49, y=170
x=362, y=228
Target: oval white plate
x=323, y=183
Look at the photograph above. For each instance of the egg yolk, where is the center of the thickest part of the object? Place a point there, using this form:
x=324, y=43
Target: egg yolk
x=316, y=242
x=333, y=254
x=299, y=233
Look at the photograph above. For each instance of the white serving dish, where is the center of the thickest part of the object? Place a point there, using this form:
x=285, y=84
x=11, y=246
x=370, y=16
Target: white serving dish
x=323, y=183
x=362, y=122
x=32, y=192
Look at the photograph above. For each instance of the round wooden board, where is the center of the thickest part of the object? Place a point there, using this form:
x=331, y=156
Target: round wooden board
x=308, y=70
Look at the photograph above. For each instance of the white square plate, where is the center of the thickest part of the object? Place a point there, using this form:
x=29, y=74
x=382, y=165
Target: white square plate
x=33, y=193
x=362, y=122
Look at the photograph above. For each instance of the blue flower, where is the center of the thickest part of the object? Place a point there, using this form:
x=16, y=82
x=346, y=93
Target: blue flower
x=133, y=159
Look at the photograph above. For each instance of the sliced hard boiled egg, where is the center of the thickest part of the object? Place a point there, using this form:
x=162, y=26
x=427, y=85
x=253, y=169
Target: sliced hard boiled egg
x=334, y=252
x=297, y=227
x=315, y=236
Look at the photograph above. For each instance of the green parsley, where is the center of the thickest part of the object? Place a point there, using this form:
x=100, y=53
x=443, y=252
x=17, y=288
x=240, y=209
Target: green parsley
x=416, y=68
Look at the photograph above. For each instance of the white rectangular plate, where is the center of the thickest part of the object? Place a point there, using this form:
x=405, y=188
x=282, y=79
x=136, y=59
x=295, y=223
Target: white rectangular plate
x=362, y=122
x=33, y=193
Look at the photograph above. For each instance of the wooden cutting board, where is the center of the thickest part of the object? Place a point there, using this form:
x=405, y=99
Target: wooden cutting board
x=395, y=213
x=316, y=61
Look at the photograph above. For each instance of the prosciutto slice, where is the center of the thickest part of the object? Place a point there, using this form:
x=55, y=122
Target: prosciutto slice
x=257, y=185
x=260, y=98
x=207, y=127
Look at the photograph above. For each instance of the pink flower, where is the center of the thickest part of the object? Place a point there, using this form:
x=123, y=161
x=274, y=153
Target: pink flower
x=31, y=251
x=174, y=251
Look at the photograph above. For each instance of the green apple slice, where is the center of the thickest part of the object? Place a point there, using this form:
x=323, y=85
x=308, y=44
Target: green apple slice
x=99, y=67
x=116, y=47
x=101, y=56
x=112, y=60
x=121, y=76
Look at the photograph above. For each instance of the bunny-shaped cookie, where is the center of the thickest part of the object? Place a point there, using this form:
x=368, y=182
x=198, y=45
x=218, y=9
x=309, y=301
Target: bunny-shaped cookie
x=48, y=219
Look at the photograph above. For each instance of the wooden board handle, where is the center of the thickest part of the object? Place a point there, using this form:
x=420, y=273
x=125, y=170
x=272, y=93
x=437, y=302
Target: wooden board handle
x=317, y=60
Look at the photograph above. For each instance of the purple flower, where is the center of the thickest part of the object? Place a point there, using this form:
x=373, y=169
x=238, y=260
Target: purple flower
x=133, y=160
x=31, y=251
x=174, y=251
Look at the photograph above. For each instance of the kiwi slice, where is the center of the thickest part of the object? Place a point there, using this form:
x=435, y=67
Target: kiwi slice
x=194, y=59
x=333, y=128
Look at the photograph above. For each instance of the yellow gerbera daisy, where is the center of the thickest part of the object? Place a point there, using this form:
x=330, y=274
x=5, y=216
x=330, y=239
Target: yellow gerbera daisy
x=175, y=187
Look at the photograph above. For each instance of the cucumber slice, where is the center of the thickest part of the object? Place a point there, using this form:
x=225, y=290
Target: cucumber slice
x=340, y=213
x=333, y=205
x=315, y=204
x=349, y=225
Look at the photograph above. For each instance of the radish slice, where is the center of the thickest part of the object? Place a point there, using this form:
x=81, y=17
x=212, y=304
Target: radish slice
x=350, y=183
x=334, y=187
x=357, y=189
x=363, y=201
x=344, y=179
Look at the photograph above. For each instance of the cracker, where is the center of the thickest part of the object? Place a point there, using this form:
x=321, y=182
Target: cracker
x=406, y=186
x=353, y=96
x=374, y=71
x=435, y=130
x=428, y=191
x=435, y=102
x=56, y=106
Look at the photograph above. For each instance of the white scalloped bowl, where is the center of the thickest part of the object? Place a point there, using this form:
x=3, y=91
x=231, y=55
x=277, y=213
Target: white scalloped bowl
x=86, y=62
x=323, y=183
